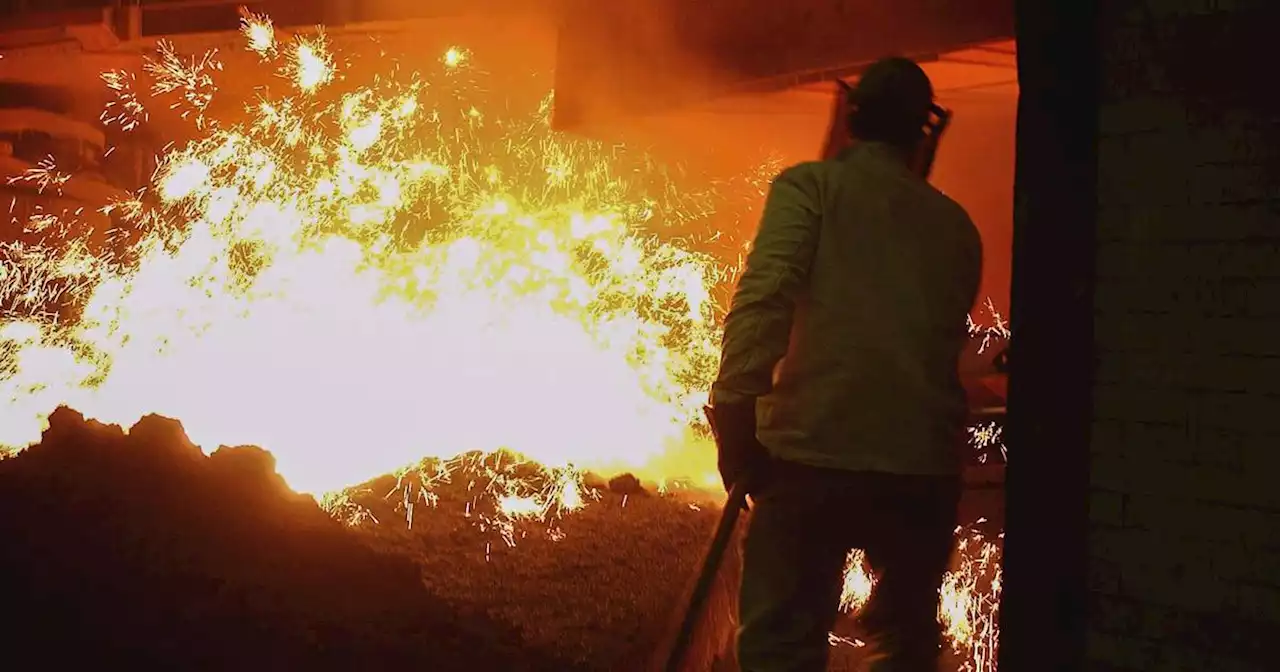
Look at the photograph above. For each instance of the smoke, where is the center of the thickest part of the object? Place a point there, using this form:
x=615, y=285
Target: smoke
x=630, y=58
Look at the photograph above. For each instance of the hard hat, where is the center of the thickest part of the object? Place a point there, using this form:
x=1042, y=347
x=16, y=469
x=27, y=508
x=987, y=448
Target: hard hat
x=893, y=97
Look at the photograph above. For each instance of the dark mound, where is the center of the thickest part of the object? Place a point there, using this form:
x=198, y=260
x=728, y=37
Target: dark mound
x=138, y=551
x=599, y=585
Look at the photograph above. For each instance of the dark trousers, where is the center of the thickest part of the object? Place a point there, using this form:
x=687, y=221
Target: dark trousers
x=803, y=525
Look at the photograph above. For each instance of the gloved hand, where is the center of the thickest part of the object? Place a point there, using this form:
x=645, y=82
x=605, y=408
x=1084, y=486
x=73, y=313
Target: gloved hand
x=741, y=456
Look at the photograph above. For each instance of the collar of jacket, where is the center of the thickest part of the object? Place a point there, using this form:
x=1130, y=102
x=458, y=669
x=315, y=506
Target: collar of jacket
x=876, y=151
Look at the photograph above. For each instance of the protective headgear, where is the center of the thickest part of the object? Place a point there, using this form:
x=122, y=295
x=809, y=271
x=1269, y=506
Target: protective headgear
x=891, y=102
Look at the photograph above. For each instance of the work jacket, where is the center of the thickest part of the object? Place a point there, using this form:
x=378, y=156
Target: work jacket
x=850, y=316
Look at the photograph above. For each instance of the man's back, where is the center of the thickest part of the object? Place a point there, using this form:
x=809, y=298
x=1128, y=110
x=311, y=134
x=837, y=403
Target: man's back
x=841, y=356
x=870, y=380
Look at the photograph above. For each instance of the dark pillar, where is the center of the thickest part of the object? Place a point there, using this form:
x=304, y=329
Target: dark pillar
x=1051, y=356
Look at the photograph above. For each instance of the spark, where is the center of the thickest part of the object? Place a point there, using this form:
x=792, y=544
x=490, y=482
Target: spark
x=455, y=57
x=969, y=607
x=44, y=175
x=125, y=110
x=858, y=582
x=836, y=640
x=997, y=330
x=312, y=65
x=192, y=79
x=259, y=33
x=969, y=599
x=985, y=435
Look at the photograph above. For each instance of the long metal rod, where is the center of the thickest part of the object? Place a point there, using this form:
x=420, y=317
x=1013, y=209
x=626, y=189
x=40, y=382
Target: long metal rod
x=706, y=577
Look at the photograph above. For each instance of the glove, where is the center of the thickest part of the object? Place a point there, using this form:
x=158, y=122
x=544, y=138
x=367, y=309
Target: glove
x=740, y=455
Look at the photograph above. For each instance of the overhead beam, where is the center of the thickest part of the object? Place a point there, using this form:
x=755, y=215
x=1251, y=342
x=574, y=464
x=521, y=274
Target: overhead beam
x=159, y=18
x=173, y=17
x=641, y=56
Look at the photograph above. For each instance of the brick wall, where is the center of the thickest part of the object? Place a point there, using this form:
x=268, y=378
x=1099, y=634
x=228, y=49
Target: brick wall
x=1185, y=454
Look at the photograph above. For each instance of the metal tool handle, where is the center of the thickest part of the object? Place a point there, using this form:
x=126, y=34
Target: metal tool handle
x=706, y=576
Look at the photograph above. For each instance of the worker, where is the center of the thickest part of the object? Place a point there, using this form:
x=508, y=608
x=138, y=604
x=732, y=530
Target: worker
x=838, y=401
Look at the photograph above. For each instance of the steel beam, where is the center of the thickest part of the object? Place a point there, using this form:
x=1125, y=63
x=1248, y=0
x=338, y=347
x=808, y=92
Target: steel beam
x=640, y=56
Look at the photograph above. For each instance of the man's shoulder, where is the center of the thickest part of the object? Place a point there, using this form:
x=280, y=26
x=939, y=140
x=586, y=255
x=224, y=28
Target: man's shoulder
x=949, y=207
x=805, y=170
x=801, y=182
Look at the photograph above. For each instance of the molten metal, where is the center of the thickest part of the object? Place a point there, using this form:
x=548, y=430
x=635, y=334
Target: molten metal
x=383, y=251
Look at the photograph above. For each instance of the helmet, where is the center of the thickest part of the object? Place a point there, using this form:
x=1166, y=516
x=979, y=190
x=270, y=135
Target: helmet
x=891, y=102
